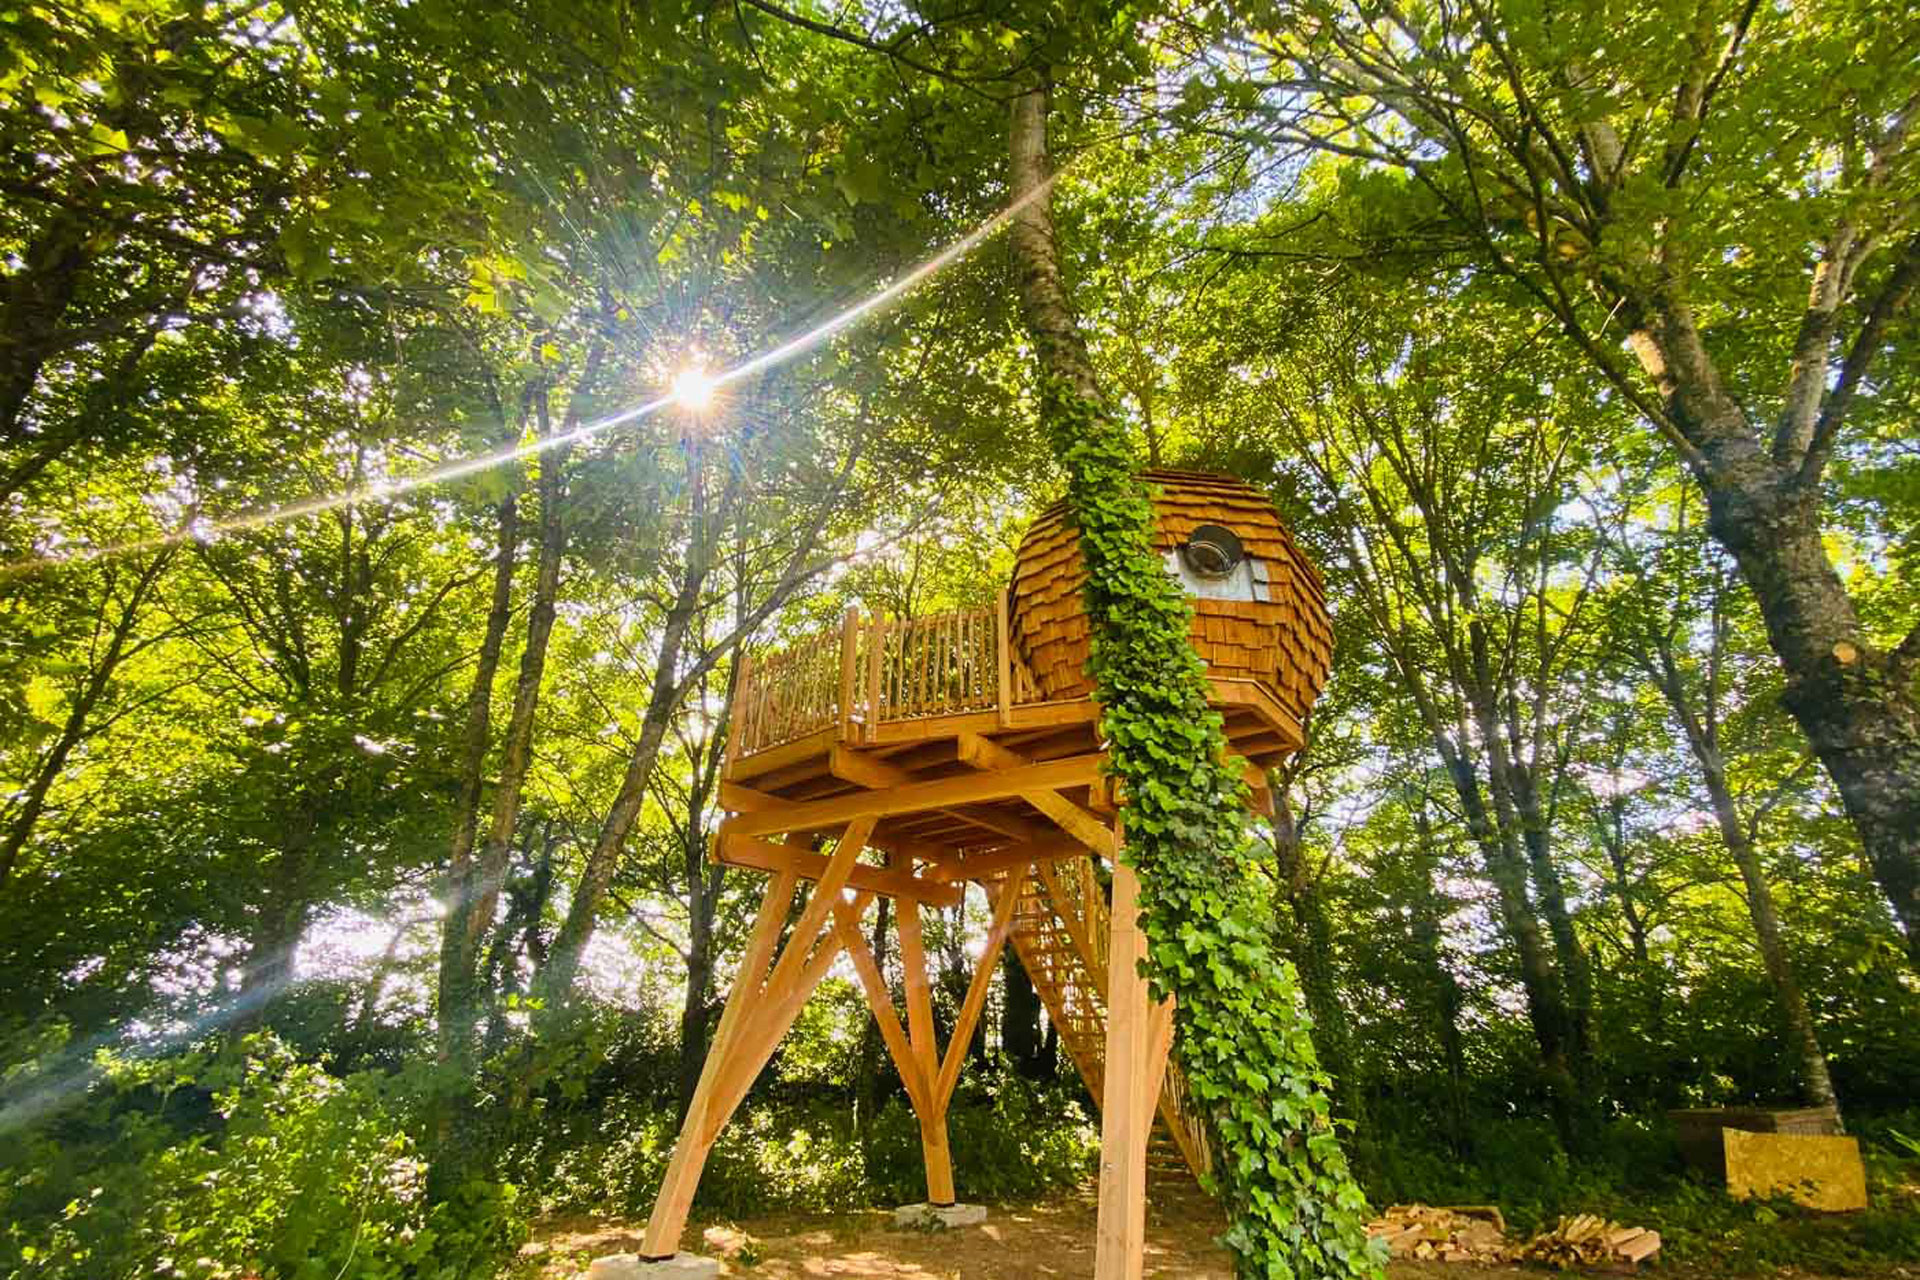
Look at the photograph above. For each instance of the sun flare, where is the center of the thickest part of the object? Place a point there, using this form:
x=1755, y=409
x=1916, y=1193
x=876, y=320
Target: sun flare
x=693, y=389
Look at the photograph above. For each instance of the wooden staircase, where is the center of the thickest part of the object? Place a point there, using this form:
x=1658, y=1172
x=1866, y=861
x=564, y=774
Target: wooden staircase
x=1060, y=928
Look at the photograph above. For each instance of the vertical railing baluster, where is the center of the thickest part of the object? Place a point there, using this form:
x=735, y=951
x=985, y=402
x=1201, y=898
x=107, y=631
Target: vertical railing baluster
x=1003, y=660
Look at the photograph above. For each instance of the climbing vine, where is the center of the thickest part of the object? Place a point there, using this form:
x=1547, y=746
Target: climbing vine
x=1245, y=1041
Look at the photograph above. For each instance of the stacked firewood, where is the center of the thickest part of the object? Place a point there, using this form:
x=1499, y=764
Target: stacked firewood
x=1477, y=1233
x=1588, y=1240
x=1464, y=1233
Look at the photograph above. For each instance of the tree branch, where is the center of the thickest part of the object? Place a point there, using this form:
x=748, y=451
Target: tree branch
x=1866, y=345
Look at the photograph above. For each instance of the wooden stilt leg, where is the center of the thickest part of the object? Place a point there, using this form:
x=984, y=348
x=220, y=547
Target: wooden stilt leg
x=690, y=1150
x=755, y=1045
x=933, y=1121
x=759, y=1011
x=1126, y=1110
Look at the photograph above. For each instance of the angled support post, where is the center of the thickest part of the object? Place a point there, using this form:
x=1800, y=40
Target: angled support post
x=931, y=1074
x=760, y=1009
x=933, y=1126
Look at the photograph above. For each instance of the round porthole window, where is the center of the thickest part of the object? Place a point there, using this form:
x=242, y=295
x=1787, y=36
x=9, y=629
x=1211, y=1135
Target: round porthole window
x=1212, y=551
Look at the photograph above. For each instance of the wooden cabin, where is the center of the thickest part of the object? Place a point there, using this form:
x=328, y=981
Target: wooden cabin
x=911, y=758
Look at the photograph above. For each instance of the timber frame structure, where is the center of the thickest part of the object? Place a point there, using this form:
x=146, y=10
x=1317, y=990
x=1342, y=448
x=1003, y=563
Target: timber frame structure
x=911, y=759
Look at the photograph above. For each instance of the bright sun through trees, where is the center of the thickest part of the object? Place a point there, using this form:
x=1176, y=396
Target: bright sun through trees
x=693, y=389
x=455, y=797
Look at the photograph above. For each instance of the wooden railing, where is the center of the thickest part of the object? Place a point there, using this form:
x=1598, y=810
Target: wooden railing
x=867, y=673
x=786, y=697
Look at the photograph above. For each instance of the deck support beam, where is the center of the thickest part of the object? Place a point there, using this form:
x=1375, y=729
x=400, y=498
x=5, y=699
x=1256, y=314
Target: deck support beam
x=1082, y=824
x=766, y=855
x=942, y=793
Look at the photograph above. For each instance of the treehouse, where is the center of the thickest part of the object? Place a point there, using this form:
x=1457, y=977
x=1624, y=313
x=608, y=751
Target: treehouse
x=912, y=758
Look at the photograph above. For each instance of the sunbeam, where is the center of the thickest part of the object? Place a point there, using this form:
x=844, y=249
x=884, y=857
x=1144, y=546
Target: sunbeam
x=681, y=394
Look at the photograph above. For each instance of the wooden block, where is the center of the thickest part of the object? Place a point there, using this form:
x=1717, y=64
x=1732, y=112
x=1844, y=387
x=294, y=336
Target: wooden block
x=1641, y=1248
x=1818, y=1172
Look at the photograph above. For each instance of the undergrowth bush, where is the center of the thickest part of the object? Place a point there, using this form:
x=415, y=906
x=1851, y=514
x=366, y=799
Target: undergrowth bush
x=1011, y=1140
x=240, y=1161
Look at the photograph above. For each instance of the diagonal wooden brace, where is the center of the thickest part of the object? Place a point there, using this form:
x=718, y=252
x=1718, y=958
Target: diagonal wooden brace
x=757, y=1015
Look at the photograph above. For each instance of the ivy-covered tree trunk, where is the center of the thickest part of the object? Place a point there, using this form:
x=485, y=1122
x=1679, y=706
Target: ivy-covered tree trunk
x=1244, y=1039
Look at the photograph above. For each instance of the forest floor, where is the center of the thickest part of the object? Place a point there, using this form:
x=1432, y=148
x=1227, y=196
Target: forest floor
x=1023, y=1242
x=1018, y=1242
x=1026, y=1242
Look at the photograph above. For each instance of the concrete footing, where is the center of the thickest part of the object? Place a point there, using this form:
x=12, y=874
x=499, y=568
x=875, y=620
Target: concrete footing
x=631, y=1266
x=933, y=1217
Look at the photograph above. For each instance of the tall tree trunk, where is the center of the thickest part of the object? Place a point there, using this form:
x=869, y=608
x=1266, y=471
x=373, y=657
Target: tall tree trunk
x=696, y=1003
x=33, y=303
x=1702, y=735
x=360, y=1025
x=869, y=1087
x=705, y=882
x=286, y=905
x=1551, y=893
x=1309, y=944
x=527, y=899
x=1523, y=834
x=569, y=945
x=1815, y=1080
x=1610, y=826
x=1855, y=702
x=1449, y=1003
x=476, y=898
x=704, y=885
x=516, y=756
x=455, y=996
x=669, y=688
x=1540, y=982
x=1492, y=825
x=1060, y=349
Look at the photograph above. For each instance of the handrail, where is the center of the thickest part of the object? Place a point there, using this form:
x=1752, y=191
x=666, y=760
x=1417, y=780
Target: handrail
x=863, y=674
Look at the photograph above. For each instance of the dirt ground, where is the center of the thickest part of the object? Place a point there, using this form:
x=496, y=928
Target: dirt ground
x=1015, y=1243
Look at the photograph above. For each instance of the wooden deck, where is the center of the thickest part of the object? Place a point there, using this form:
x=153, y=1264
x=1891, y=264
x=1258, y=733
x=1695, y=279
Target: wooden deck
x=933, y=728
